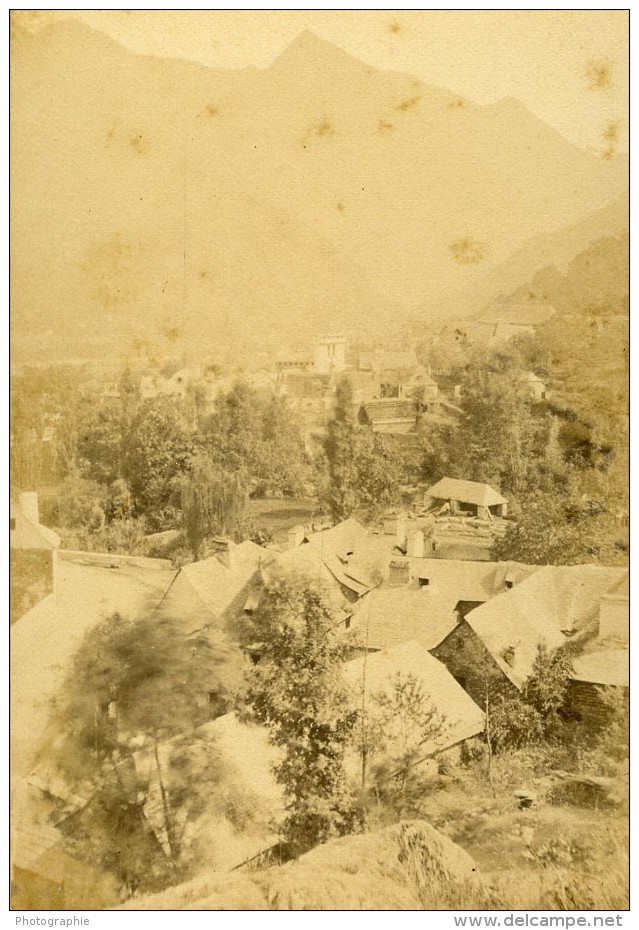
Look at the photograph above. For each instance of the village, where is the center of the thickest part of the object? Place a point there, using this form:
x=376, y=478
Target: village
x=319, y=460
x=415, y=595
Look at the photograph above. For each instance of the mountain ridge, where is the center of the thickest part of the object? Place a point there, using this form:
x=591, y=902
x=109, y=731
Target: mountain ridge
x=138, y=180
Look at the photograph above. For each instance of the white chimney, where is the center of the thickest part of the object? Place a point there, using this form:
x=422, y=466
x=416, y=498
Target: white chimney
x=400, y=531
x=28, y=501
x=416, y=545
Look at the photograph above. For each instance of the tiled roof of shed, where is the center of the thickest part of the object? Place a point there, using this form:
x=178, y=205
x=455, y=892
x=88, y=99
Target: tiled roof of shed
x=468, y=492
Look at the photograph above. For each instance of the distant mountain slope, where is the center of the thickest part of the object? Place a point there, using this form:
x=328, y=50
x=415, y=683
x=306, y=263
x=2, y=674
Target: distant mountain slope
x=248, y=207
x=556, y=249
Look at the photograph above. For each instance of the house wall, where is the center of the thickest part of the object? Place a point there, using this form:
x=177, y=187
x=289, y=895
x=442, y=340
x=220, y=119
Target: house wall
x=468, y=661
x=394, y=426
x=31, y=579
x=584, y=702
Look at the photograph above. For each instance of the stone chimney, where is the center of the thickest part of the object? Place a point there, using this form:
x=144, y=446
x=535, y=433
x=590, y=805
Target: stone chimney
x=416, y=545
x=28, y=501
x=223, y=550
x=295, y=536
x=398, y=573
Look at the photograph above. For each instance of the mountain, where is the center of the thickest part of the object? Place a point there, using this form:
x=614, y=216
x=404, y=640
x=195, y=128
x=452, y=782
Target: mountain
x=555, y=250
x=244, y=208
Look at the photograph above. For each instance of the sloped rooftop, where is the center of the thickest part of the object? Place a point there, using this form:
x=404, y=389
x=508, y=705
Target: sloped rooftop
x=216, y=585
x=392, y=614
x=552, y=605
x=460, y=717
x=388, y=408
x=467, y=492
x=607, y=667
x=25, y=534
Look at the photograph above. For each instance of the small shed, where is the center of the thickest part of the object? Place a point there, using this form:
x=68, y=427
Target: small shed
x=467, y=497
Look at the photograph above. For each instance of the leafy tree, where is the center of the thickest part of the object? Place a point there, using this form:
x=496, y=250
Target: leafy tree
x=500, y=436
x=283, y=466
x=136, y=686
x=77, y=503
x=546, y=688
x=42, y=398
x=99, y=443
x=213, y=501
x=296, y=690
x=125, y=537
x=382, y=471
x=532, y=716
x=157, y=451
x=340, y=446
x=258, y=440
x=25, y=459
x=556, y=529
x=233, y=432
x=514, y=723
x=120, y=503
x=391, y=732
x=614, y=738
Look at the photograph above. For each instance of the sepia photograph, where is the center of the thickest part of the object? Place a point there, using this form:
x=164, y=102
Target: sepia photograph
x=319, y=460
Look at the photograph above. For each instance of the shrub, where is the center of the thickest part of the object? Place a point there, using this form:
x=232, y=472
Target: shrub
x=77, y=503
x=514, y=724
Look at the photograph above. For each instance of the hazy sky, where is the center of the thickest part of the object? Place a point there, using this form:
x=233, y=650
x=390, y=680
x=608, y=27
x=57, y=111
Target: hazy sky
x=569, y=67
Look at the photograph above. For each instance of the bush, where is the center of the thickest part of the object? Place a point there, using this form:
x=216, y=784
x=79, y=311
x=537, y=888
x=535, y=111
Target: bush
x=514, y=724
x=124, y=537
x=120, y=505
x=77, y=503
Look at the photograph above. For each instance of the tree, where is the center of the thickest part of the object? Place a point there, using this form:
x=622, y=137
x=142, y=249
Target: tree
x=213, y=501
x=499, y=438
x=382, y=471
x=283, y=466
x=554, y=528
x=99, y=443
x=157, y=451
x=340, y=445
x=533, y=715
x=546, y=687
x=258, y=439
x=120, y=504
x=78, y=504
x=514, y=723
x=296, y=690
x=140, y=687
x=392, y=730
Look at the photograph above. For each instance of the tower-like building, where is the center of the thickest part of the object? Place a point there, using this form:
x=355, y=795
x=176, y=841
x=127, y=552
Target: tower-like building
x=330, y=354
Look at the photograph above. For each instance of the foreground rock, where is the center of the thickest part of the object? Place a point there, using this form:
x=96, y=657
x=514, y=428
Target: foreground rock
x=404, y=867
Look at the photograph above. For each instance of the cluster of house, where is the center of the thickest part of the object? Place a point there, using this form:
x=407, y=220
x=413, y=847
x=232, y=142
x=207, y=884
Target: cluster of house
x=497, y=324
x=392, y=392
x=453, y=624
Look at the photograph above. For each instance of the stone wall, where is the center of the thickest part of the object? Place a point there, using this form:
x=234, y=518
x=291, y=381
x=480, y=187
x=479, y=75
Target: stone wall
x=31, y=579
x=468, y=661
